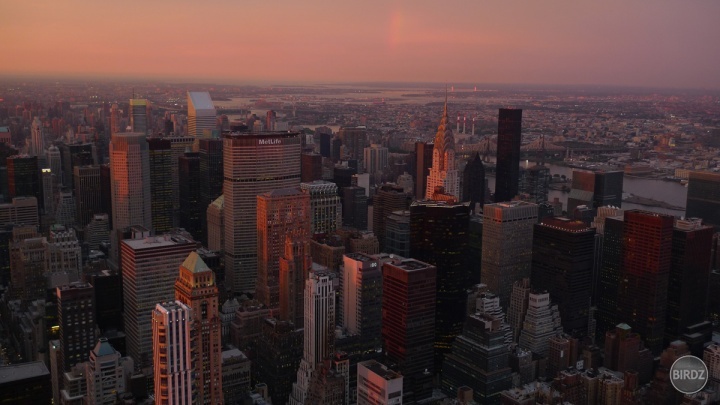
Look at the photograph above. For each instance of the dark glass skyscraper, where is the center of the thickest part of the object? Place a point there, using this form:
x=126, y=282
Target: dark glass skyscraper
x=160, y=187
x=703, y=197
x=609, y=277
x=562, y=265
x=643, y=287
x=355, y=208
x=508, y=154
x=689, y=277
x=211, y=176
x=439, y=236
x=191, y=210
x=423, y=161
x=24, y=177
x=388, y=198
x=595, y=189
x=473, y=187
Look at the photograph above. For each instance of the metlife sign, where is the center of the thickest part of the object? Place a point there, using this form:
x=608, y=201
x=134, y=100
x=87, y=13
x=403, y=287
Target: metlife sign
x=274, y=141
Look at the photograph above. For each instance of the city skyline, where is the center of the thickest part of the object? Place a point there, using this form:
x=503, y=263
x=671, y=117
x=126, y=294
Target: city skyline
x=608, y=43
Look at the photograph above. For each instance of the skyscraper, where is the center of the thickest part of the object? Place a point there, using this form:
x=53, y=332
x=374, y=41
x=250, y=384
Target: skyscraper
x=172, y=353
x=196, y=288
x=689, y=277
x=355, y=141
x=295, y=267
x=375, y=159
x=423, y=161
x=139, y=115
x=355, y=208
x=703, y=197
x=474, y=182
x=408, y=323
x=160, y=161
x=508, y=154
x=325, y=207
x=76, y=317
x=388, y=198
x=643, y=286
x=319, y=342
x=535, y=182
x=201, y=113
x=130, y=180
x=443, y=172
x=104, y=374
x=562, y=264
x=191, y=210
x=609, y=274
x=397, y=233
x=24, y=177
x=254, y=163
x=149, y=268
x=507, y=245
x=540, y=322
x=115, y=119
x=439, y=235
x=311, y=167
x=87, y=194
x=37, y=142
x=280, y=213
x=378, y=385
x=595, y=189
x=361, y=298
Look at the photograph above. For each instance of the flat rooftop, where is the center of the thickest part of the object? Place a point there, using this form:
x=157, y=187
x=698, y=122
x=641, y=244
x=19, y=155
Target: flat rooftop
x=22, y=371
x=381, y=370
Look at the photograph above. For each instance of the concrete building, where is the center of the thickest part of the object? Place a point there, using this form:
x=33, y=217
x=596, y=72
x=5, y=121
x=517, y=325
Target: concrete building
x=378, y=385
x=361, y=298
x=235, y=375
x=105, y=374
x=254, y=163
x=130, y=180
x=325, y=206
x=541, y=322
x=172, y=353
x=76, y=318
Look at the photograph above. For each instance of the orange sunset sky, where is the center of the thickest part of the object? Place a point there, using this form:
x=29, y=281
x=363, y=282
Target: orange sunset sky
x=640, y=43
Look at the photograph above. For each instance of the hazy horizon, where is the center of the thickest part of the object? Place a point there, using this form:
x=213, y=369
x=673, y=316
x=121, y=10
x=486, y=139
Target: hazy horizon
x=666, y=44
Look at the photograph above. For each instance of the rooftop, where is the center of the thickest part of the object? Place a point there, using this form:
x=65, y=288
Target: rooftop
x=381, y=370
x=200, y=100
x=195, y=263
x=22, y=371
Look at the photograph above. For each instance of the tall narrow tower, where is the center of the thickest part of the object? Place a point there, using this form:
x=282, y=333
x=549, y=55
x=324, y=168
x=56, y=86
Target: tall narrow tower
x=38, y=141
x=196, y=288
x=172, y=354
x=443, y=172
x=508, y=154
x=139, y=115
x=130, y=180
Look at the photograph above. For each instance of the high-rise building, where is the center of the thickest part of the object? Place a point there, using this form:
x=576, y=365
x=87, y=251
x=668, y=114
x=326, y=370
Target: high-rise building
x=609, y=275
x=178, y=146
x=280, y=213
x=216, y=225
x=687, y=293
x=310, y=167
x=643, y=286
x=201, y=114
x=378, y=385
x=388, y=198
x=20, y=211
x=319, y=341
x=149, y=268
x=37, y=141
x=325, y=144
x=507, y=245
x=540, y=322
x=295, y=267
x=191, y=210
x=160, y=164
x=325, y=206
x=254, y=163
x=474, y=182
x=211, y=175
x=172, y=344
x=397, y=233
x=97, y=231
x=438, y=235
x=196, y=288
x=139, y=115
x=87, y=194
x=54, y=162
x=375, y=159
x=535, y=183
x=279, y=352
x=508, y=154
x=361, y=298
x=48, y=190
x=703, y=197
x=130, y=181
x=26, y=383
x=76, y=318
x=108, y=300
x=355, y=140
x=408, y=324
x=75, y=154
x=115, y=119
x=562, y=264
x=443, y=172
x=595, y=189
x=104, y=374
x=479, y=360
x=423, y=161
x=355, y=208
x=24, y=177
